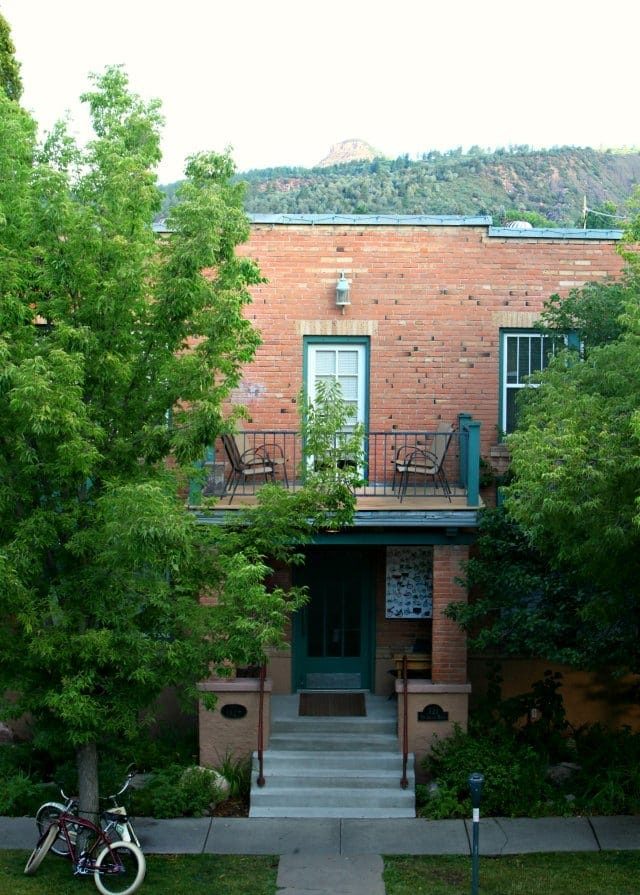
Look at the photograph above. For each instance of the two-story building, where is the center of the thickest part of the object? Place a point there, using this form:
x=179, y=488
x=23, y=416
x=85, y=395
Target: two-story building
x=428, y=324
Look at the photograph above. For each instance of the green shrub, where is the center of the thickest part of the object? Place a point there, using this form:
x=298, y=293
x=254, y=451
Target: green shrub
x=515, y=775
x=176, y=791
x=19, y=794
x=608, y=781
x=441, y=803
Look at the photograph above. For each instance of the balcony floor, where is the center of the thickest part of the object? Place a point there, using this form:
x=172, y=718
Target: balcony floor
x=383, y=503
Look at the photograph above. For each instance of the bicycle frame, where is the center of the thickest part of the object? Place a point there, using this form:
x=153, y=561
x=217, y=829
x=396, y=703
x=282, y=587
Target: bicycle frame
x=84, y=860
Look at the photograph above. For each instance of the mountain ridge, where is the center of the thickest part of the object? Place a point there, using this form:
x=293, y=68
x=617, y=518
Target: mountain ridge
x=546, y=187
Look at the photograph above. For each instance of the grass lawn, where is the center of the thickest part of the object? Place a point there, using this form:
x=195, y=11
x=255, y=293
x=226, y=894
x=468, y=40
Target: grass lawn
x=602, y=873
x=166, y=875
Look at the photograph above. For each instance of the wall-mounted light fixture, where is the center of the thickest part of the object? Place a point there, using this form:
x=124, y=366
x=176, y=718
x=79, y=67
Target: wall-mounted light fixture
x=342, y=292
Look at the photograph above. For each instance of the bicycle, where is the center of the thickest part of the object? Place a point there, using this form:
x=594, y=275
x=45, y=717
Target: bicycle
x=118, y=867
x=50, y=811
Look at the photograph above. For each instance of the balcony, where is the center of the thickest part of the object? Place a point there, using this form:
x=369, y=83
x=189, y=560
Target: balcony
x=277, y=455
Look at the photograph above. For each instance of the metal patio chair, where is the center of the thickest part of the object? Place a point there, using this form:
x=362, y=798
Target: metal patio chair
x=245, y=466
x=427, y=461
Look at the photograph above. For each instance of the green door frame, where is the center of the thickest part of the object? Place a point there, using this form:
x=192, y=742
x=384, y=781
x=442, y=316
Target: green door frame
x=325, y=564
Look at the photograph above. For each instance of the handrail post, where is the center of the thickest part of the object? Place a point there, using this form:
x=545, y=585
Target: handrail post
x=463, y=448
x=473, y=463
x=263, y=673
x=405, y=725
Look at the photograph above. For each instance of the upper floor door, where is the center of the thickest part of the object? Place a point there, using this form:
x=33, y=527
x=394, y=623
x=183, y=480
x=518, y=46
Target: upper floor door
x=345, y=361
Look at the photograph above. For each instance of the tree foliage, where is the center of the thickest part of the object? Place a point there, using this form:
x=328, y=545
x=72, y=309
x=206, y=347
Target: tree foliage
x=117, y=351
x=557, y=574
x=10, y=79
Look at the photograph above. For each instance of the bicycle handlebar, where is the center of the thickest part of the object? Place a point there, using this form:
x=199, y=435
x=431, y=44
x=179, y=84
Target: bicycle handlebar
x=131, y=773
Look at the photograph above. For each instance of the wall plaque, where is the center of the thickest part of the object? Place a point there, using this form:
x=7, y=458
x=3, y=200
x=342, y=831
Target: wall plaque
x=433, y=712
x=233, y=711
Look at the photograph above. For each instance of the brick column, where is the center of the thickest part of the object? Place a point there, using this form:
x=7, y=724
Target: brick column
x=449, y=647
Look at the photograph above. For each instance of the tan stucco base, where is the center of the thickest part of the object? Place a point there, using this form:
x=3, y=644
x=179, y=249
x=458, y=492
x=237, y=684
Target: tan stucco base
x=220, y=736
x=589, y=697
x=452, y=699
x=279, y=671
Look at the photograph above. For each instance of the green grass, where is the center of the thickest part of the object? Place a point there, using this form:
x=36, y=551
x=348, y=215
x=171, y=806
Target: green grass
x=166, y=875
x=603, y=873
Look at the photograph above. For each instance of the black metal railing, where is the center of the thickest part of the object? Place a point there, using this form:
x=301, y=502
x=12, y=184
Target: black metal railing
x=278, y=456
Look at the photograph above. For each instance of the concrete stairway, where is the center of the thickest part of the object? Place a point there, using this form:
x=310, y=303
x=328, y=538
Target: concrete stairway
x=332, y=767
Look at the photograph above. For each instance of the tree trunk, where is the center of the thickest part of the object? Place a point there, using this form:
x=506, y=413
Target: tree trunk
x=87, y=764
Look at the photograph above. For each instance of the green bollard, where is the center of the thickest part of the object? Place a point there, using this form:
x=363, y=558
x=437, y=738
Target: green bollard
x=475, y=787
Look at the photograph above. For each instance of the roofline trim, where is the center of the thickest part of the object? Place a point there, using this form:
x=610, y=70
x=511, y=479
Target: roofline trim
x=423, y=220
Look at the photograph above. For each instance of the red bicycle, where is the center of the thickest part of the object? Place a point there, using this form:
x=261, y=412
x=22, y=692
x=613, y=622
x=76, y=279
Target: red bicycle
x=118, y=868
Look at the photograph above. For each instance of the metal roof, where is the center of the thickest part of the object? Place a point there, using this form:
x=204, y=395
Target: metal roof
x=380, y=220
x=424, y=220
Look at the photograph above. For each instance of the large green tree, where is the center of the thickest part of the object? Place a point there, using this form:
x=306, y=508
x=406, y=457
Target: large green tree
x=557, y=573
x=116, y=354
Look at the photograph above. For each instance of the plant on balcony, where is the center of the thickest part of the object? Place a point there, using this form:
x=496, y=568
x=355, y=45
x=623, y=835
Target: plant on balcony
x=333, y=448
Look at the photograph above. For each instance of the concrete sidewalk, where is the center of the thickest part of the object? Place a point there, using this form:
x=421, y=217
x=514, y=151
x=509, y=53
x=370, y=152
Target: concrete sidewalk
x=351, y=837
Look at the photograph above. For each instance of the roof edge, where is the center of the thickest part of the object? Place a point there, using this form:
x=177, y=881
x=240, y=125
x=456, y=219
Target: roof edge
x=553, y=233
x=423, y=220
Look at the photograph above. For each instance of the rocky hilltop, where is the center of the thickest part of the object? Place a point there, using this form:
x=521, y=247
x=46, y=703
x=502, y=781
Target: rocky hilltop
x=349, y=151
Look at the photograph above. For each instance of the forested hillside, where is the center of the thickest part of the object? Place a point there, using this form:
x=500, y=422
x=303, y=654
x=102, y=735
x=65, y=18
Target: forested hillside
x=545, y=186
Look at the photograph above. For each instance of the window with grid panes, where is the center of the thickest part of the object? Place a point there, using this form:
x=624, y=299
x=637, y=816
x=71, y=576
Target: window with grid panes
x=523, y=353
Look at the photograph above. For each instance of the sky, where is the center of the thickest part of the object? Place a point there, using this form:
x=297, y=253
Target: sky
x=281, y=81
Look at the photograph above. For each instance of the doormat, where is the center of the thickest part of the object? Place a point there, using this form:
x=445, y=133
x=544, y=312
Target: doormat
x=337, y=704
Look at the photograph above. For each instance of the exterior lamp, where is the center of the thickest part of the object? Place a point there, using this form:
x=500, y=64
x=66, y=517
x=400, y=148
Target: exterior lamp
x=342, y=293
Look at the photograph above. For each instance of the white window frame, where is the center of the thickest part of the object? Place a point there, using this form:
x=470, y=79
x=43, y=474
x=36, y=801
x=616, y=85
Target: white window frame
x=505, y=386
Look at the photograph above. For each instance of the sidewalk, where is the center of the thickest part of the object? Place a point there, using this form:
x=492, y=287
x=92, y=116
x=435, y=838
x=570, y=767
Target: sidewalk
x=334, y=837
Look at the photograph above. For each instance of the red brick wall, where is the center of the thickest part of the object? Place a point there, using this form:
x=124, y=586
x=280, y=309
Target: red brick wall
x=449, y=644
x=432, y=299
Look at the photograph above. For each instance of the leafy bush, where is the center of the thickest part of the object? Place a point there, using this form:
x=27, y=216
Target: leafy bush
x=515, y=775
x=176, y=791
x=608, y=781
x=19, y=794
x=440, y=803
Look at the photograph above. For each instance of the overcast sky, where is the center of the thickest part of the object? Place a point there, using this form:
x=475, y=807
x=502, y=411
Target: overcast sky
x=280, y=81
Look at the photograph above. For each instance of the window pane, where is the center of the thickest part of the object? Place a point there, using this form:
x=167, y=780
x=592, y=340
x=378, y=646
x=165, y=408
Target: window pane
x=347, y=363
x=511, y=408
x=315, y=624
x=349, y=385
x=334, y=631
x=536, y=353
x=512, y=359
x=325, y=363
x=524, y=367
x=550, y=347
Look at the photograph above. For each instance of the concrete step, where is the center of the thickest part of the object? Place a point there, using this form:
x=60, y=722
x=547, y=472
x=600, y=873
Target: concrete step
x=329, y=741
x=329, y=782
x=315, y=796
x=290, y=761
x=360, y=726
x=327, y=811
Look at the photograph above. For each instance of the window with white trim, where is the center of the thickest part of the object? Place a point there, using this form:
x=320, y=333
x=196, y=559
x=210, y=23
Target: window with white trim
x=523, y=353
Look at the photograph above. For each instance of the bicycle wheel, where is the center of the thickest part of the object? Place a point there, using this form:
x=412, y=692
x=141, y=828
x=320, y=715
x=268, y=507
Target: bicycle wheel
x=120, y=869
x=45, y=816
x=40, y=851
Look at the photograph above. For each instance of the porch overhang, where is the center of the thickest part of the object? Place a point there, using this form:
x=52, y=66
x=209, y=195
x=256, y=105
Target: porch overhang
x=371, y=527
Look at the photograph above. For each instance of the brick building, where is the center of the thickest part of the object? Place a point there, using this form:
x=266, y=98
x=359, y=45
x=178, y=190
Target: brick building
x=438, y=330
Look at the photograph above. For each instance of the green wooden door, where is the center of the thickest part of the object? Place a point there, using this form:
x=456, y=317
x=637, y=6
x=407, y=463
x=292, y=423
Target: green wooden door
x=333, y=634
